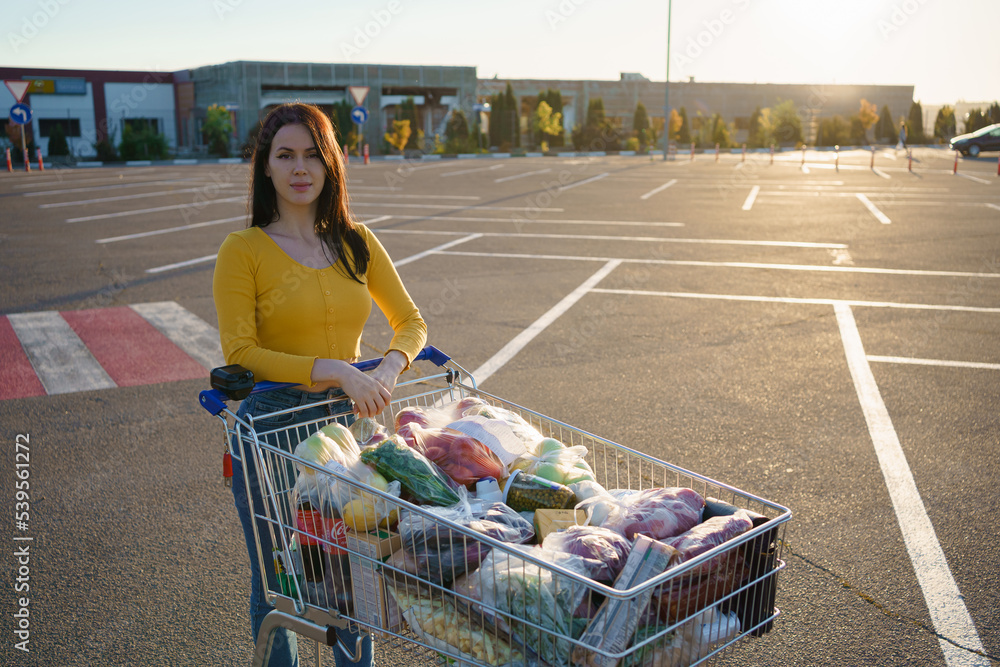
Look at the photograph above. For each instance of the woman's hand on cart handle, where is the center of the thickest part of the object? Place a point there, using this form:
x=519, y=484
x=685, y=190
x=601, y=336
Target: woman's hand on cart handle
x=369, y=395
x=387, y=372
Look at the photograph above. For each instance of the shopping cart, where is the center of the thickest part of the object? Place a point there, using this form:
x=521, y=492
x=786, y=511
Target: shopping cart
x=517, y=608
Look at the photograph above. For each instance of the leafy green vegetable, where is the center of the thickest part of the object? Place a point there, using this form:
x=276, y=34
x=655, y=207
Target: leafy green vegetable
x=421, y=478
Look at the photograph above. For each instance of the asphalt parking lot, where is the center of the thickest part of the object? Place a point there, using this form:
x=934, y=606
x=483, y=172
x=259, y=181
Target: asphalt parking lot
x=812, y=330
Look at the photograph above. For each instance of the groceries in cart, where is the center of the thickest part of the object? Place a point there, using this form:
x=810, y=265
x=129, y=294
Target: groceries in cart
x=457, y=486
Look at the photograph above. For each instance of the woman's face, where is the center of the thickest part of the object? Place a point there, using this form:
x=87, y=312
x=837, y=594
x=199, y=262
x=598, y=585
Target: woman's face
x=295, y=168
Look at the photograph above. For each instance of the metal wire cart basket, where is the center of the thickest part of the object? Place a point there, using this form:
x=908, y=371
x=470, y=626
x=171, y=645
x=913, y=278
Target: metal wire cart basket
x=366, y=551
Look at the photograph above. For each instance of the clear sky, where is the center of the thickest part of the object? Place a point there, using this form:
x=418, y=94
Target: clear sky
x=947, y=49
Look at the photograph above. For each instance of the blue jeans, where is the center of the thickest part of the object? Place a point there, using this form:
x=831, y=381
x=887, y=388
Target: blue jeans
x=284, y=651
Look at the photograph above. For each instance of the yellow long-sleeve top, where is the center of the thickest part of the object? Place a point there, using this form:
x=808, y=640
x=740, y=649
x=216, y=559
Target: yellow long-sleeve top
x=277, y=316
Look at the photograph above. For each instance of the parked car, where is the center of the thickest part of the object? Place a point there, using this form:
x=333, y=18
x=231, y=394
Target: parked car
x=984, y=139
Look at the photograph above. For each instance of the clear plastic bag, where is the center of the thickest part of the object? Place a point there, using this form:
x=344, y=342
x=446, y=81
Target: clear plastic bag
x=551, y=459
x=657, y=513
x=462, y=457
x=600, y=545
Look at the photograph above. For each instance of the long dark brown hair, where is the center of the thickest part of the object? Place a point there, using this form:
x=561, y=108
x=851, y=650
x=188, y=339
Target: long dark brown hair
x=334, y=224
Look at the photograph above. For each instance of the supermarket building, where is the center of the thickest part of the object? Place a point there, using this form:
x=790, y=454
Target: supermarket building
x=93, y=105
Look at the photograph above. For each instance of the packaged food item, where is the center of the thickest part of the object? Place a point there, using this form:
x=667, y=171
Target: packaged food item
x=437, y=553
x=420, y=478
x=554, y=461
x=552, y=521
x=605, y=546
x=463, y=458
x=686, y=644
x=488, y=489
x=471, y=406
x=657, y=513
x=708, y=535
x=613, y=626
x=367, y=431
x=689, y=594
x=526, y=493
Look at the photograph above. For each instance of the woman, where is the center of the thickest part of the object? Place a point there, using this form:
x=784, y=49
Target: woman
x=293, y=292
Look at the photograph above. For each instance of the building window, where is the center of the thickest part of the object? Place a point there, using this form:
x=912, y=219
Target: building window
x=70, y=126
x=138, y=124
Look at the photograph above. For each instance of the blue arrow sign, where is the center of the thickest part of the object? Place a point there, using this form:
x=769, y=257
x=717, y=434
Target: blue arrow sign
x=359, y=115
x=20, y=114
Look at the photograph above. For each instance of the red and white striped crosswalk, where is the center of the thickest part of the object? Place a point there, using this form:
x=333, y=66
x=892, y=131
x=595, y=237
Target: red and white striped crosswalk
x=59, y=352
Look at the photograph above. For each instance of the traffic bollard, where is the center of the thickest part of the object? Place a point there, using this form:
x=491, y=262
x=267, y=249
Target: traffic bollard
x=366, y=153
x=772, y=153
x=716, y=152
x=803, y=155
x=836, y=157
x=873, y=158
x=744, y=158
x=10, y=167
x=954, y=168
x=27, y=162
x=41, y=165
x=909, y=159
x=998, y=166
x=692, y=152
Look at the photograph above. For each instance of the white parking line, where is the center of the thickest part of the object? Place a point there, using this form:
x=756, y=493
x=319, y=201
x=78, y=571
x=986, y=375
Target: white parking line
x=873, y=209
x=508, y=351
x=435, y=249
x=879, y=172
x=168, y=230
x=974, y=178
x=993, y=206
x=933, y=362
x=172, y=207
x=375, y=194
x=659, y=189
x=748, y=204
x=116, y=186
x=470, y=171
x=944, y=600
x=140, y=195
x=181, y=265
x=60, y=359
x=809, y=302
x=516, y=176
x=583, y=182
x=447, y=205
x=521, y=221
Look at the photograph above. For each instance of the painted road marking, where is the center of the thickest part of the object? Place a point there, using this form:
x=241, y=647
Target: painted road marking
x=117, y=186
x=378, y=194
x=17, y=377
x=62, y=352
x=60, y=359
x=186, y=330
x=563, y=188
x=933, y=362
x=735, y=265
x=181, y=265
x=993, y=206
x=516, y=344
x=748, y=204
x=879, y=172
x=113, y=182
x=527, y=173
x=157, y=209
x=801, y=301
x=659, y=189
x=463, y=207
x=139, y=195
x=435, y=249
x=130, y=349
x=169, y=230
x=470, y=171
x=975, y=178
x=521, y=221
x=879, y=215
x=944, y=600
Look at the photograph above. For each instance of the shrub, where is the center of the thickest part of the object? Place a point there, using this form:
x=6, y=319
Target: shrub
x=57, y=141
x=144, y=143
x=217, y=129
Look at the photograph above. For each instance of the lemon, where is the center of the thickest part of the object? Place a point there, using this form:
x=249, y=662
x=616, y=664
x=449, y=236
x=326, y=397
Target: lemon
x=360, y=516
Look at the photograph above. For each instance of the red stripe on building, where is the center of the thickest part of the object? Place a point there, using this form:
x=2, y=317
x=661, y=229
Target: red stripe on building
x=131, y=350
x=17, y=377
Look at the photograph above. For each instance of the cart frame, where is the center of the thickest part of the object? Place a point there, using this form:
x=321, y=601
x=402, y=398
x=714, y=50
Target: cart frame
x=751, y=599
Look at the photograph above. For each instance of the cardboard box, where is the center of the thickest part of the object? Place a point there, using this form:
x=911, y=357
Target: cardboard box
x=550, y=521
x=371, y=604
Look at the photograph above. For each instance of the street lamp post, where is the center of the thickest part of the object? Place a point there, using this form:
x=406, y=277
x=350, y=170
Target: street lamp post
x=666, y=93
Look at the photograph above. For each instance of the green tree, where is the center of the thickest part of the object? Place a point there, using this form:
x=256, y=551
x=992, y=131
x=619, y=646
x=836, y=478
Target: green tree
x=400, y=135
x=553, y=98
x=787, y=125
x=915, y=125
x=142, y=143
x=753, y=130
x=684, y=134
x=640, y=124
x=833, y=131
x=944, y=124
x=975, y=120
x=216, y=130
x=858, y=135
x=407, y=110
x=546, y=124
x=993, y=113
x=514, y=122
x=720, y=132
x=867, y=116
x=57, y=141
x=885, y=129
x=456, y=132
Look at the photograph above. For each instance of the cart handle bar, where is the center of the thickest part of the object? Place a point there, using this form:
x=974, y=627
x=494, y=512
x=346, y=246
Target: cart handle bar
x=214, y=400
